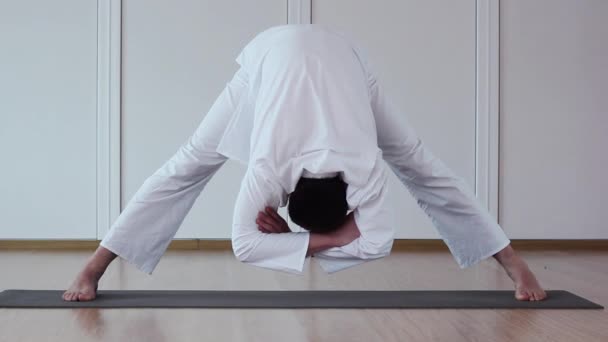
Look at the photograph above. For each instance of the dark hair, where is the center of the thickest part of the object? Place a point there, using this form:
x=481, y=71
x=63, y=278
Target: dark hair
x=318, y=204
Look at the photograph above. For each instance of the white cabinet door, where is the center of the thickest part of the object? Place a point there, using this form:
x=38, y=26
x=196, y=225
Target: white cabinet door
x=554, y=120
x=424, y=52
x=177, y=57
x=48, y=89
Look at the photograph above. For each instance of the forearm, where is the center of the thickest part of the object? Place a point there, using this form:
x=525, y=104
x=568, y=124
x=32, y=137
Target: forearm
x=283, y=252
x=320, y=242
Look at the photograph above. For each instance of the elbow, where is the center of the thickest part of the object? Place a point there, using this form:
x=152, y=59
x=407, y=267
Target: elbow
x=375, y=254
x=244, y=248
x=371, y=250
x=240, y=256
x=241, y=250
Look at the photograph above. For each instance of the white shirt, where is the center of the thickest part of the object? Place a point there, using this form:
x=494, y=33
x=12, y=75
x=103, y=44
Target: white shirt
x=310, y=103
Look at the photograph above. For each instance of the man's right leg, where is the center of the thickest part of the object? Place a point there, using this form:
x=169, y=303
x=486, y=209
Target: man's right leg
x=150, y=220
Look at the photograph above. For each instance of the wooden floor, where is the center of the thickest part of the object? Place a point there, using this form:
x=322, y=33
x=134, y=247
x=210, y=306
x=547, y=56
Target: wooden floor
x=584, y=273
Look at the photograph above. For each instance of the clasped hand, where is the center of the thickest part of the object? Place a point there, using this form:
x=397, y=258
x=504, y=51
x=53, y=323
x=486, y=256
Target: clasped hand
x=270, y=222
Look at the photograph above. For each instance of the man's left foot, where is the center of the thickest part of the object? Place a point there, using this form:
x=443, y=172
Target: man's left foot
x=527, y=287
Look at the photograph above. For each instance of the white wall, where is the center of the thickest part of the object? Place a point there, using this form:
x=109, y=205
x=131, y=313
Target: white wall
x=178, y=55
x=554, y=118
x=48, y=90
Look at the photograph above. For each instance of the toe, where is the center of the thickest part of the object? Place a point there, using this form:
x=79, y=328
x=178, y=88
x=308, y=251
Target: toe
x=523, y=295
x=534, y=295
x=541, y=295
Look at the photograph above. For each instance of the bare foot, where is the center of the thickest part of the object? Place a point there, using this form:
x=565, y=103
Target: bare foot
x=527, y=287
x=84, y=287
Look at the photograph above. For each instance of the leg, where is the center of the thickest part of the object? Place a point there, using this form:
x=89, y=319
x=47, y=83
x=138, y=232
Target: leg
x=470, y=232
x=526, y=285
x=146, y=226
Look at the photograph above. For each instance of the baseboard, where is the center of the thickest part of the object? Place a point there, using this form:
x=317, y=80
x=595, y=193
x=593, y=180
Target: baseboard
x=399, y=244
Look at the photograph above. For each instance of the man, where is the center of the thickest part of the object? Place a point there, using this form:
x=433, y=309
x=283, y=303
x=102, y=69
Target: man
x=308, y=117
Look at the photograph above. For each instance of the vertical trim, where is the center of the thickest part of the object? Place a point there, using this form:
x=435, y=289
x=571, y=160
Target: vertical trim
x=487, y=73
x=108, y=113
x=299, y=11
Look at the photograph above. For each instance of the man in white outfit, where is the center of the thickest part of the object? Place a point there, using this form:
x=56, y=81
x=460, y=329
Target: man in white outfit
x=307, y=116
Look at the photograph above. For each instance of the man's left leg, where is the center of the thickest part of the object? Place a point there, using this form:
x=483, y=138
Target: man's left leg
x=466, y=227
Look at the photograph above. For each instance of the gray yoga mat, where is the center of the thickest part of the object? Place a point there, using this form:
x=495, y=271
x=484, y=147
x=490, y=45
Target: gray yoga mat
x=296, y=300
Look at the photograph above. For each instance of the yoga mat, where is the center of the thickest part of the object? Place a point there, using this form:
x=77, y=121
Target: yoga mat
x=296, y=300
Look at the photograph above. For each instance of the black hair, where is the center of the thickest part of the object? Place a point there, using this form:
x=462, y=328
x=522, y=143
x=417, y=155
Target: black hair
x=318, y=204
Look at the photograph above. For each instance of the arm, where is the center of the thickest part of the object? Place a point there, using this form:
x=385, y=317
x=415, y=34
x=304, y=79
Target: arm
x=468, y=229
x=284, y=252
x=151, y=218
x=321, y=242
x=262, y=238
x=373, y=219
x=367, y=233
x=270, y=222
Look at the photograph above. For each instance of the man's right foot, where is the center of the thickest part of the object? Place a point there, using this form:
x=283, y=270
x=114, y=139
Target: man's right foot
x=84, y=287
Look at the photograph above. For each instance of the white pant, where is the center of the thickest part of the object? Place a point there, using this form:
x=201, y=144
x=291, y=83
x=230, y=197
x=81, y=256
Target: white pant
x=152, y=217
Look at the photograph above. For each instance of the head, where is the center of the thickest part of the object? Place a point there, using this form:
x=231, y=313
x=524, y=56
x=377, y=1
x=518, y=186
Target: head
x=318, y=204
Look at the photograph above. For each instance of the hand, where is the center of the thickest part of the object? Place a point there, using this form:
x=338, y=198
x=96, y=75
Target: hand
x=347, y=232
x=269, y=221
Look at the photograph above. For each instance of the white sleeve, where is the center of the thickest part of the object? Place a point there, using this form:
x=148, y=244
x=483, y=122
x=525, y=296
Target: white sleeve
x=375, y=222
x=283, y=252
x=467, y=228
x=148, y=223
